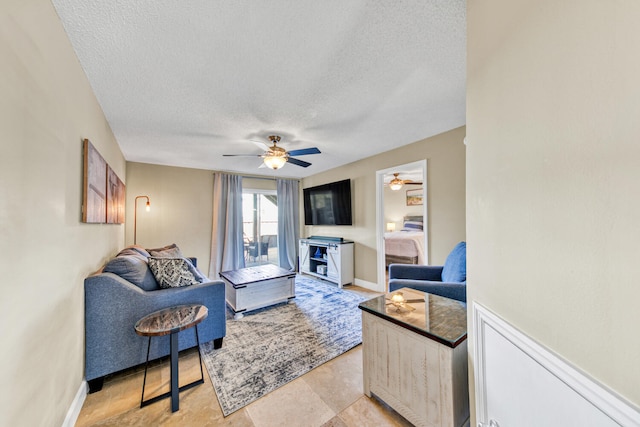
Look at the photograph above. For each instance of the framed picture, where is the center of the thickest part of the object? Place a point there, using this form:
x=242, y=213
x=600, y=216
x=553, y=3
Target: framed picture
x=115, y=198
x=414, y=197
x=103, y=193
x=94, y=194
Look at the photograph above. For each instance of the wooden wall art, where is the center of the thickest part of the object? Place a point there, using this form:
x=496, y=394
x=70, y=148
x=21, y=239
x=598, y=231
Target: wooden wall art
x=103, y=195
x=115, y=198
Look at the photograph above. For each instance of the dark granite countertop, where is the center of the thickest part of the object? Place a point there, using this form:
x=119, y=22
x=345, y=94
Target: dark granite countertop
x=441, y=319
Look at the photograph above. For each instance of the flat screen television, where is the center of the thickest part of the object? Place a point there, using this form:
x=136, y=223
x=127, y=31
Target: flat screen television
x=328, y=204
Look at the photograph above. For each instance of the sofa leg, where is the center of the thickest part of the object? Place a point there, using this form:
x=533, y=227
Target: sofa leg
x=217, y=343
x=95, y=384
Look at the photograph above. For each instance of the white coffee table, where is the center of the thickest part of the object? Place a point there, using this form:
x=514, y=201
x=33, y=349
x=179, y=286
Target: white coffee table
x=256, y=287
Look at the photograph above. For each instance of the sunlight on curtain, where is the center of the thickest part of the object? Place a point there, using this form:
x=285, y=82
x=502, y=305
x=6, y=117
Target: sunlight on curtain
x=288, y=223
x=227, y=246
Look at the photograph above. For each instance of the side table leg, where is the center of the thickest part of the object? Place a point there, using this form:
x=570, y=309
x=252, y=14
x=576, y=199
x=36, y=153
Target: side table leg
x=175, y=403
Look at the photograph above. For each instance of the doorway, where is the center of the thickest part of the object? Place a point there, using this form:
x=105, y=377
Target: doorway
x=260, y=227
x=405, y=204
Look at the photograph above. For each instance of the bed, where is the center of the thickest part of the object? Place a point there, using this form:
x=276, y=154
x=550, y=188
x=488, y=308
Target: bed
x=407, y=245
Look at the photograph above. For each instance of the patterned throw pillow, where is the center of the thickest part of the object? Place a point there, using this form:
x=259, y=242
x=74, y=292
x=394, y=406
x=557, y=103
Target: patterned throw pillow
x=172, y=272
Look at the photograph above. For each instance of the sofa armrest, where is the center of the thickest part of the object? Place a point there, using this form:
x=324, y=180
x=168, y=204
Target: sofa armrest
x=456, y=291
x=415, y=272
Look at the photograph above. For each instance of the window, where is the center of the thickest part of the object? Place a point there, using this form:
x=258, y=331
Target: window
x=260, y=226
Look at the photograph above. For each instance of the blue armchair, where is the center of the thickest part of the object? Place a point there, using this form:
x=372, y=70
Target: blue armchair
x=449, y=280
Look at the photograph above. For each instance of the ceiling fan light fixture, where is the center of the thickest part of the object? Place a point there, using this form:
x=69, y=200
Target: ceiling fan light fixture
x=275, y=161
x=395, y=185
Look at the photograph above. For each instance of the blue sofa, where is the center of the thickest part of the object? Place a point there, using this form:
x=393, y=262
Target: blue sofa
x=124, y=292
x=449, y=280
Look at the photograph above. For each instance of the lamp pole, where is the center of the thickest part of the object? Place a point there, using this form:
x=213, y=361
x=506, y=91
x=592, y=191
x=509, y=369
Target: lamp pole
x=135, y=215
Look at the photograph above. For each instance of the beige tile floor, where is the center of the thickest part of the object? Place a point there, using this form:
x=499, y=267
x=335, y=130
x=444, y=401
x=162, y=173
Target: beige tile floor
x=330, y=395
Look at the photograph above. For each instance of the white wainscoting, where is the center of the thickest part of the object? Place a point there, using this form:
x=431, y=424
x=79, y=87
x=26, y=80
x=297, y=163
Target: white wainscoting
x=520, y=383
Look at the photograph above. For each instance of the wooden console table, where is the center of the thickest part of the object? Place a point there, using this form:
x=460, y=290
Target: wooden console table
x=416, y=359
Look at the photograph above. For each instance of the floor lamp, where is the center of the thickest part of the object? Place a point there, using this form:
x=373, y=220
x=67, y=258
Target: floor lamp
x=135, y=214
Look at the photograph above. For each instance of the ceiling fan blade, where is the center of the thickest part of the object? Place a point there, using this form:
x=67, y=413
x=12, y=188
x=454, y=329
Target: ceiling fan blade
x=412, y=183
x=262, y=145
x=242, y=155
x=304, y=151
x=298, y=162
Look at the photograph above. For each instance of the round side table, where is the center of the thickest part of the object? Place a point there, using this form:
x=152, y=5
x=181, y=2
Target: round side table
x=171, y=321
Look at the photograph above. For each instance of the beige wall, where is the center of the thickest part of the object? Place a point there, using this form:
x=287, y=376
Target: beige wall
x=46, y=108
x=181, y=208
x=445, y=154
x=553, y=103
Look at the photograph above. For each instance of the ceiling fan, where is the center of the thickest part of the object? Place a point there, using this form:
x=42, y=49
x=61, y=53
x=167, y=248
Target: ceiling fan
x=396, y=183
x=275, y=157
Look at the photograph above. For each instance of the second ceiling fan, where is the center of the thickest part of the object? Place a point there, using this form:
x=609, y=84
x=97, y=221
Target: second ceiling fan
x=275, y=157
x=396, y=183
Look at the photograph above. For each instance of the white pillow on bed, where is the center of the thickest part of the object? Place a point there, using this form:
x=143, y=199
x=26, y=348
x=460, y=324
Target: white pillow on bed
x=412, y=226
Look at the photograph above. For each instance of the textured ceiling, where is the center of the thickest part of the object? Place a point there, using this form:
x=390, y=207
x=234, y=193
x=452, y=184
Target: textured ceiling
x=183, y=82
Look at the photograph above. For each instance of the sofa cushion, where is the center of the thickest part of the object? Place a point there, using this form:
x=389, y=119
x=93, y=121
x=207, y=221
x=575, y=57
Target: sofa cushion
x=172, y=272
x=169, y=251
x=133, y=268
x=455, y=267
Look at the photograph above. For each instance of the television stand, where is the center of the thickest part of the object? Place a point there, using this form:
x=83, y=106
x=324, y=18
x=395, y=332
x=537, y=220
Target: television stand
x=329, y=258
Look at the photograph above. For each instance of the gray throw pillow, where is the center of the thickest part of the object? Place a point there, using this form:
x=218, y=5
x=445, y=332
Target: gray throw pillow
x=172, y=272
x=169, y=251
x=134, y=250
x=133, y=268
x=196, y=273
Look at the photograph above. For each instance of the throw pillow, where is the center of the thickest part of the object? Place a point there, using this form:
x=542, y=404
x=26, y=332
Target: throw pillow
x=196, y=273
x=134, y=269
x=169, y=251
x=172, y=272
x=455, y=266
x=412, y=226
x=134, y=250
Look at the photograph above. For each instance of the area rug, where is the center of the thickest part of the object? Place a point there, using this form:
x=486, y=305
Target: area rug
x=272, y=346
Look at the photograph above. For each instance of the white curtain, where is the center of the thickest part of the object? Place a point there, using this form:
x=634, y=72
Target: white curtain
x=227, y=246
x=288, y=223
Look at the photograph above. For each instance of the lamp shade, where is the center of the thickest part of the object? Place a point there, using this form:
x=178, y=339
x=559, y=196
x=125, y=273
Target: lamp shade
x=391, y=226
x=275, y=162
x=395, y=185
x=135, y=215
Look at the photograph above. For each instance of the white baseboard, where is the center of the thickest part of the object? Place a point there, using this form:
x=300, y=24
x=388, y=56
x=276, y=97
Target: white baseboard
x=76, y=405
x=367, y=285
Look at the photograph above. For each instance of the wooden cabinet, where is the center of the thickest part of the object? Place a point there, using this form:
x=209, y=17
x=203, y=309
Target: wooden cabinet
x=416, y=361
x=330, y=259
